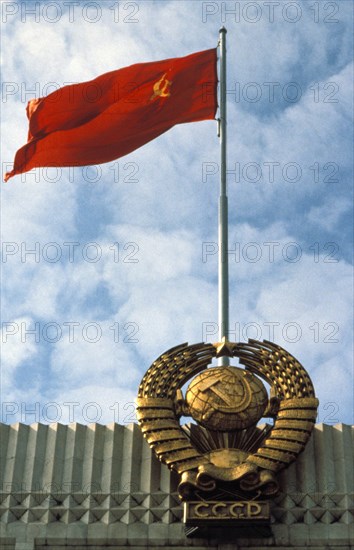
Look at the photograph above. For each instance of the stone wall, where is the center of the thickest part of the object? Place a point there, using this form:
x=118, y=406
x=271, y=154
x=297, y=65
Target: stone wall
x=92, y=486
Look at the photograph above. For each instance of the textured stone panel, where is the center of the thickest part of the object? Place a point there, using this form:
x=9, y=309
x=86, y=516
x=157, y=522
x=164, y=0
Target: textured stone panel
x=62, y=485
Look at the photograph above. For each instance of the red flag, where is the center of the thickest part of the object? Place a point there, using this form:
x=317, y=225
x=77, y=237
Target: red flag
x=108, y=117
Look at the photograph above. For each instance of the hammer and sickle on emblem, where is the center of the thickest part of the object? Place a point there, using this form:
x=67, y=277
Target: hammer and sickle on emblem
x=161, y=88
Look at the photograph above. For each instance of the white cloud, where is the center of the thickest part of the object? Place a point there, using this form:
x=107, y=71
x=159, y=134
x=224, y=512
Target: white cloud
x=16, y=352
x=92, y=403
x=329, y=215
x=170, y=210
x=94, y=351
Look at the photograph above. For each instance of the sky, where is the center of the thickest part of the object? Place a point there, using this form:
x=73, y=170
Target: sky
x=106, y=267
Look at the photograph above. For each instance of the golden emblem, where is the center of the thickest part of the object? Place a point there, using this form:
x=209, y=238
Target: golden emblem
x=226, y=452
x=161, y=88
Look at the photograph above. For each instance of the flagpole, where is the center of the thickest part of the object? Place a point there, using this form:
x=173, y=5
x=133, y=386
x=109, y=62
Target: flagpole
x=223, y=207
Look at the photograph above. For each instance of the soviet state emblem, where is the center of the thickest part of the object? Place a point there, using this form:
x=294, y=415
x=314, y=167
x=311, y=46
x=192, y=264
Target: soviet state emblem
x=225, y=459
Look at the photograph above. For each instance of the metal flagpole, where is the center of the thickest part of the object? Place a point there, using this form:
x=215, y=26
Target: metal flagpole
x=223, y=207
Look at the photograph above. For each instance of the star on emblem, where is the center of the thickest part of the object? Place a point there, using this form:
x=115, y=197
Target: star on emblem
x=225, y=348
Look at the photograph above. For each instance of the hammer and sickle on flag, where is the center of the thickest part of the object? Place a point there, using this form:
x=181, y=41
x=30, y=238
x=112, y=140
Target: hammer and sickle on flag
x=161, y=88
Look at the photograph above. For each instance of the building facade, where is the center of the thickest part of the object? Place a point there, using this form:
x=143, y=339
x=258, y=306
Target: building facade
x=95, y=486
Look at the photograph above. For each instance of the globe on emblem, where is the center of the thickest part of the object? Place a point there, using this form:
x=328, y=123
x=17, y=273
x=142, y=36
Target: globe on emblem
x=226, y=399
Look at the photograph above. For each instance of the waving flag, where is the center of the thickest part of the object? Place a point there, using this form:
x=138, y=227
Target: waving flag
x=108, y=117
